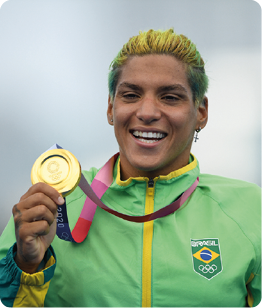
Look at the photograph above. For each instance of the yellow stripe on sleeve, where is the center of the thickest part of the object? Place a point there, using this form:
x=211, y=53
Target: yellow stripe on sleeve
x=250, y=298
x=33, y=289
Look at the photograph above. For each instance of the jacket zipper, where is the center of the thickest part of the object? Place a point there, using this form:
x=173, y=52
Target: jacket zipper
x=147, y=245
x=150, y=183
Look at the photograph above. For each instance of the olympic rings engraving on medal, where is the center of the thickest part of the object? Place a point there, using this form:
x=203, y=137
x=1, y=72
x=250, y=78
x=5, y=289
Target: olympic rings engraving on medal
x=53, y=167
x=207, y=268
x=56, y=177
x=58, y=168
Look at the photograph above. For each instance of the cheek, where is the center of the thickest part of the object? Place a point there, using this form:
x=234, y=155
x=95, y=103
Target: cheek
x=181, y=120
x=121, y=120
x=184, y=122
x=122, y=115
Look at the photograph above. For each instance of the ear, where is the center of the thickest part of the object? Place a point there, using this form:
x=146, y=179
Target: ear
x=110, y=111
x=202, y=114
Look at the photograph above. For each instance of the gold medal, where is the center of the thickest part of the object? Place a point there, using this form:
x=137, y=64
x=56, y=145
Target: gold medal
x=58, y=168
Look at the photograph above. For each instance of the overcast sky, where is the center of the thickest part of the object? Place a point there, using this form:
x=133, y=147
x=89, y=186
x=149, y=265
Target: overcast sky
x=54, y=60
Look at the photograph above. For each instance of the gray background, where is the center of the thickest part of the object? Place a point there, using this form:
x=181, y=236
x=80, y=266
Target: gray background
x=54, y=60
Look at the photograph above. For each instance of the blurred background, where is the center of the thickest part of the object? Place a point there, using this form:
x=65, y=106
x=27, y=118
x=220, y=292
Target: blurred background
x=54, y=61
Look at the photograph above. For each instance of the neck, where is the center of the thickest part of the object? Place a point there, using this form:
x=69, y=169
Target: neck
x=126, y=172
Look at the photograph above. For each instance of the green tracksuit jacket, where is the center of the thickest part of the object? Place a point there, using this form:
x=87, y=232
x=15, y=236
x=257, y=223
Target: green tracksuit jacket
x=207, y=253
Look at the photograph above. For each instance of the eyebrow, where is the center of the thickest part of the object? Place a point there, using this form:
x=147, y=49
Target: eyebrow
x=130, y=85
x=173, y=87
x=168, y=88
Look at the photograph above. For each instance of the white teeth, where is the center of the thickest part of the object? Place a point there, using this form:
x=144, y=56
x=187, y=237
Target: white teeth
x=147, y=141
x=148, y=135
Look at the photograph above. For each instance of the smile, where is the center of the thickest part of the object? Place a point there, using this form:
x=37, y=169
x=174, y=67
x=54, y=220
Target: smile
x=148, y=137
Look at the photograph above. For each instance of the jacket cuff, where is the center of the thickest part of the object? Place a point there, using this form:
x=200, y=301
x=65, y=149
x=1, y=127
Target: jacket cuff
x=42, y=276
x=23, y=289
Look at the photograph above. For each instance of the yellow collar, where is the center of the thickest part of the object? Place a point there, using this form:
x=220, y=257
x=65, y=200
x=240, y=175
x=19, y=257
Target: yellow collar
x=192, y=164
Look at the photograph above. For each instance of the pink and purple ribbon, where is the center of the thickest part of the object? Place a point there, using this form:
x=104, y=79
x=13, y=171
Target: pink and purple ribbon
x=94, y=193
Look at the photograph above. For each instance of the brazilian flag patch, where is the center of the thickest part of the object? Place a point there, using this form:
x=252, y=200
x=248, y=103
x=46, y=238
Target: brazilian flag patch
x=206, y=257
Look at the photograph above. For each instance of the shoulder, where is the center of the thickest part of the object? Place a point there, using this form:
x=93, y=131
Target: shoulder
x=238, y=200
x=233, y=196
x=222, y=188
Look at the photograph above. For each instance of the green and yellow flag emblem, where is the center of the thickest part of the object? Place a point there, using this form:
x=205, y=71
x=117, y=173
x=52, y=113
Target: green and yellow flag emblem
x=206, y=257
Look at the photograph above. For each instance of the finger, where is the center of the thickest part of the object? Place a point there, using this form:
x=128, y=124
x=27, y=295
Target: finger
x=45, y=189
x=40, y=212
x=32, y=230
x=36, y=199
x=37, y=213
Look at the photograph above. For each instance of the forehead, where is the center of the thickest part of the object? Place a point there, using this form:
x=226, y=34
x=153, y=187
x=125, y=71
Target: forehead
x=153, y=71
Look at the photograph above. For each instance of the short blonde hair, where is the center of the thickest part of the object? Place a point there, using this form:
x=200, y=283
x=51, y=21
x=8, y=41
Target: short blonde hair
x=168, y=43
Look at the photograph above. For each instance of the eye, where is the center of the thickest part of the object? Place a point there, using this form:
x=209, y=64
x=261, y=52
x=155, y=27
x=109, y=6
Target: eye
x=170, y=98
x=130, y=95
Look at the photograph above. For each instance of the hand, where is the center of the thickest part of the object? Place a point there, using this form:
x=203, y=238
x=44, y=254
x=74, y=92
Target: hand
x=35, y=225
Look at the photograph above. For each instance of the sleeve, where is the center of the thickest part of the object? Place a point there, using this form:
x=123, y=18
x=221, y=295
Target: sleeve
x=254, y=283
x=18, y=288
x=254, y=289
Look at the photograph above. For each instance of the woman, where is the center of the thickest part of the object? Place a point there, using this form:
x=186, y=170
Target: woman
x=206, y=253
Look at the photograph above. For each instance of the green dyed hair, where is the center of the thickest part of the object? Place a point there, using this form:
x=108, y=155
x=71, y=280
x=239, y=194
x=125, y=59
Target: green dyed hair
x=168, y=43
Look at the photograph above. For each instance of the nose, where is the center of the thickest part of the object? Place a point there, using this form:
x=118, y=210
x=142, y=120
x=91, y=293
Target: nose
x=148, y=110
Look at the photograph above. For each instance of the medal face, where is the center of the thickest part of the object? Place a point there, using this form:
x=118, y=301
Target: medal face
x=58, y=168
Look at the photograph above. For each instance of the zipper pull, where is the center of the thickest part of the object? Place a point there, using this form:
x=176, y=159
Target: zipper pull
x=150, y=183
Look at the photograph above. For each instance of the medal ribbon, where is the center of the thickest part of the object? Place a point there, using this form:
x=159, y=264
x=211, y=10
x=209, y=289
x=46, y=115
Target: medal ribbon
x=94, y=193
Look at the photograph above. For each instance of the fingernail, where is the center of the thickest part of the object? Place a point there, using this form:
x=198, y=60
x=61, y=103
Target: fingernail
x=61, y=200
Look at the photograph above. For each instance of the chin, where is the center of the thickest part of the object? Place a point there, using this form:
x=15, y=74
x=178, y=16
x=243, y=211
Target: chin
x=148, y=168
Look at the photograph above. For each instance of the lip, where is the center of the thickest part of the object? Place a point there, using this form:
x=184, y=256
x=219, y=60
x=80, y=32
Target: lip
x=146, y=145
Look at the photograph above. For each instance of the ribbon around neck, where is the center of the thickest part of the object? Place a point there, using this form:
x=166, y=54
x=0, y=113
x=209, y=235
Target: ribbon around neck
x=99, y=186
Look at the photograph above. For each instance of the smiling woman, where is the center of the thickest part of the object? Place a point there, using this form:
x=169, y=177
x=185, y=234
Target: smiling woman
x=153, y=97
x=186, y=257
